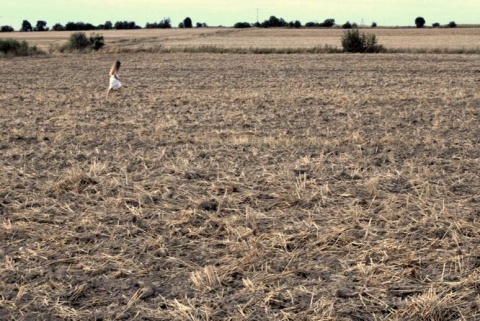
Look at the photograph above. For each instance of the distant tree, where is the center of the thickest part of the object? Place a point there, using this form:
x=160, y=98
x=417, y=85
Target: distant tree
x=374, y=24
x=347, y=25
x=452, y=24
x=26, y=26
x=6, y=29
x=121, y=25
x=187, y=22
x=163, y=24
x=80, y=26
x=274, y=22
x=257, y=24
x=89, y=26
x=294, y=24
x=420, y=22
x=201, y=25
x=242, y=25
x=312, y=24
x=108, y=25
x=328, y=23
x=71, y=26
x=435, y=25
x=181, y=25
x=41, y=26
x=58, y=27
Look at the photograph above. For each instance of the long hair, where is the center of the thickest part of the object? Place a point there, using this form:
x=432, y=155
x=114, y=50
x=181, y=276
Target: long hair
x=115, y=68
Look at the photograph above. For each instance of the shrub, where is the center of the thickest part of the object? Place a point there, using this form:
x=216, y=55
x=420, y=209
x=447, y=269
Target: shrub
x=452, y=24
x=354, y=41
x=78, y=41
x=347, y=25
x=242, y=25
x=6, y=29
x=435, y=25
x=13, y=47
x=97, y=41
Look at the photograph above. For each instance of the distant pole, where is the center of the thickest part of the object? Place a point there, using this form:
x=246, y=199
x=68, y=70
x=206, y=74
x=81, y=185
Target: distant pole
x=257, y=15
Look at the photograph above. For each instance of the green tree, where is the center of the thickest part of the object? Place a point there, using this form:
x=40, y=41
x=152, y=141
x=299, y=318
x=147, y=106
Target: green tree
x=354, y=41
x=6, y=29
x=41, y=26
x=26, y=26
x=420, y=22
x=187, y=22
x=328, y=23
x=58, y=27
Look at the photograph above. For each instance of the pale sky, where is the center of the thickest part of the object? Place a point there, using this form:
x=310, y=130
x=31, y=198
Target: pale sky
x=227, y=13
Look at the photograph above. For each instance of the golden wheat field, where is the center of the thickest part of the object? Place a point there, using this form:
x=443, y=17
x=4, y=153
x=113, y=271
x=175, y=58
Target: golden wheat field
x=240, y=187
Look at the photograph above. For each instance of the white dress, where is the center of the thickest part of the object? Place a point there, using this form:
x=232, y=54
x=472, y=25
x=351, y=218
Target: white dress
x=114, y=82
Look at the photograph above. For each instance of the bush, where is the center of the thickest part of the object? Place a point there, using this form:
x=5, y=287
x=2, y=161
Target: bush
x=13, y=47
x=97, y=41
x=452, y=24
x=354, y=41
x=6, y=29
x=435, y=25
x=242, y=25
x=78, y=41
x=347, y=25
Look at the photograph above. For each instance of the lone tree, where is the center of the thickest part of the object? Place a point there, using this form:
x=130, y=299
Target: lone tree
x=420, y=22
x=26, y=26
x=187, y=22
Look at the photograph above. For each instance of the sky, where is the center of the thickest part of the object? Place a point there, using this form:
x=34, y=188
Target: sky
x=227, y=13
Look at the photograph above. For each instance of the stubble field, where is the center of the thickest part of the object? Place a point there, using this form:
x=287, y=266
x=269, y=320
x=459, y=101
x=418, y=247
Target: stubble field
x=394, y=39
x=240, y=187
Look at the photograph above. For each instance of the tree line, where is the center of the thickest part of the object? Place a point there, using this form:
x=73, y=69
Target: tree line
x=272, y=22
x=41, y=25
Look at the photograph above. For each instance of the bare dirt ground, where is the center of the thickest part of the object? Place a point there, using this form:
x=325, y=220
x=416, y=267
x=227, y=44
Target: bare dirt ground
x=392, y=38
x=240, y=187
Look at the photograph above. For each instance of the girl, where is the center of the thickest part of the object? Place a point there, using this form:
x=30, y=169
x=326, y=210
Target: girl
x=114, y=82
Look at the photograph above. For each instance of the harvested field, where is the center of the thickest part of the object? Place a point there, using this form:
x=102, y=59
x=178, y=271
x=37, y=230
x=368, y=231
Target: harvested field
x=395, y=39
x=240, y=187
